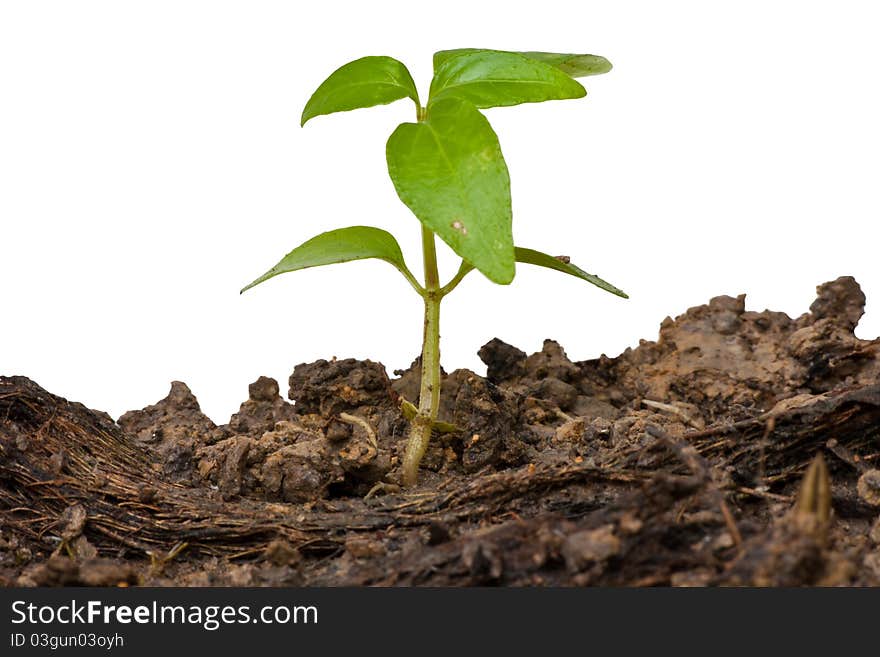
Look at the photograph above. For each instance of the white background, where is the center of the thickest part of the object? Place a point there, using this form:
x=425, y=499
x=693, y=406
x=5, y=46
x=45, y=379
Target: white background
x=151, y=163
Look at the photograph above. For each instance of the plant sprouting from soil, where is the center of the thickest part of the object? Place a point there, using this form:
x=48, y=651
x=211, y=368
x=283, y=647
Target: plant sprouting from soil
x=448, y=168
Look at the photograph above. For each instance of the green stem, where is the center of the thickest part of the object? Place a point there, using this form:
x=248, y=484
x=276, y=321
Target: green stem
x=429, y=392
x=463, y=271
x=407, y=274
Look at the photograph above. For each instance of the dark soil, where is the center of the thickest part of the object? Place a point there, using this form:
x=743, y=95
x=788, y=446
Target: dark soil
x=709, y=457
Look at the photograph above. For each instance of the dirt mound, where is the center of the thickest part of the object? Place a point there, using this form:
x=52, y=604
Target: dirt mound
x=682, y=461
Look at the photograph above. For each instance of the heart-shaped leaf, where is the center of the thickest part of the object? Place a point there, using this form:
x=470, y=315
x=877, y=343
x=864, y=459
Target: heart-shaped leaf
x=494, y=78
x=561, y=263
x=364, y=82
x=340, y=245
x=449, y=170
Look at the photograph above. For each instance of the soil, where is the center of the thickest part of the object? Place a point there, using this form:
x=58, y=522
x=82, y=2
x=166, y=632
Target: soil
x=740, y=448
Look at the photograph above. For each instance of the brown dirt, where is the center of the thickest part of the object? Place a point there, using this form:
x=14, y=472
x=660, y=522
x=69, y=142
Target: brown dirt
x=680, y=462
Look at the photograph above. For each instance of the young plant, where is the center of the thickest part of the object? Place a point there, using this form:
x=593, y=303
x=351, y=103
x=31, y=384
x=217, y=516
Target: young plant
x=447, y=167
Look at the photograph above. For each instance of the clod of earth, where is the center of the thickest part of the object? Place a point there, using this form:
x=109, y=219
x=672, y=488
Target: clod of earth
x=685, y=461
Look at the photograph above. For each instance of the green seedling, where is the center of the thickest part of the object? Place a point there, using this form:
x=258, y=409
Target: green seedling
x=448, y=168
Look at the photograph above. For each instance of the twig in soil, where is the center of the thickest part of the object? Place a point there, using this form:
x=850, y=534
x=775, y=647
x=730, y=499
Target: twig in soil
x=846, y=455
x=721, y=429
x=762, y=453
x=562, y=415
x=158, y=562
x=383, y=488
x=363, y=424
x=702, y=473
x=744, y=490
x=247, y=553
x=674, y=410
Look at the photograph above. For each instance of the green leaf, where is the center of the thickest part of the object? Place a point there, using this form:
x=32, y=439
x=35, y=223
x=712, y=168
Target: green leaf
x=364, y=82
x=493, y=78
x=532, y=257
x=450, y=172
x=560, y=263
x=577, y=66
x=441, y=56
x=341, y=245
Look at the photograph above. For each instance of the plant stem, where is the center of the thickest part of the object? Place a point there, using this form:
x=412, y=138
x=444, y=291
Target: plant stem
x=429, y=392
x=463, y=271
x=407, y=274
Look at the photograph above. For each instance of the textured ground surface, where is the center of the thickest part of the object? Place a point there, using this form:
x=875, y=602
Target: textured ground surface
x=685, y=461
